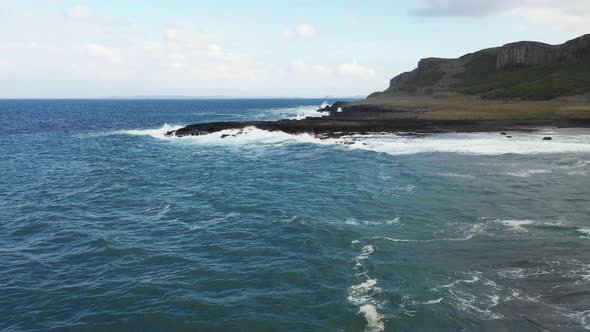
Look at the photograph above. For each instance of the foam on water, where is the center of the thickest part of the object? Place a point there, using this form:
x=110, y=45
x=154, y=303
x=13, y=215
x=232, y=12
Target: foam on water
x=374, y=322
x=455, y=175
x=386, y=238
x=478, y=295
x=299, y=112
x=583, y=317
x=474, y=143
x=159, y=133
x=527, y=173
x=362, y=294
x=584, y=233
x=516, y=225
x=471, y=143
x=355, y=222
x=434, y=301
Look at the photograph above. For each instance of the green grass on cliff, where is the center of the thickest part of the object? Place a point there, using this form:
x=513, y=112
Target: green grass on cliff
x=533, y=83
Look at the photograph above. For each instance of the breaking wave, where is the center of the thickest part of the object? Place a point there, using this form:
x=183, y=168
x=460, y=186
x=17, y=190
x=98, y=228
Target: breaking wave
x=471, y=143
x=584, y=233
x=159, y=133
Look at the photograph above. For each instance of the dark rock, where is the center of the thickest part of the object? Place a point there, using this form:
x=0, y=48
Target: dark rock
x=225, y=135
x=439, y=75
x=502, y=133
x=508, y=136
x=547, y=138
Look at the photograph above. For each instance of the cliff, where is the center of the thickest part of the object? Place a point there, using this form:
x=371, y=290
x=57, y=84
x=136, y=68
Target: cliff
x=521, y=70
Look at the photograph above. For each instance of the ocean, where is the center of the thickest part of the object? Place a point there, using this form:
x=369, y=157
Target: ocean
x=106, y=224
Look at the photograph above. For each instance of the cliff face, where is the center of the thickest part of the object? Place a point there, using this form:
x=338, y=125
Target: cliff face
x=492, y=71
x=524, y=54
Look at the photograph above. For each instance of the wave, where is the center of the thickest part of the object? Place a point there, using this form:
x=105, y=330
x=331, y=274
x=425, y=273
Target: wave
x=516, y=225
x=468, y=237
x=297, y=112
x=584, y=233
x=362, y=294
x=159, y=133
x=355, y=222
x=527, y=173
x=477, y=295
x=455, y=175
x=470, y=143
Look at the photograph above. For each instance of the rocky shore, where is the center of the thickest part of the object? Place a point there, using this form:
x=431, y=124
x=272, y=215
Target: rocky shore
x=344, y=120
x=518, y=86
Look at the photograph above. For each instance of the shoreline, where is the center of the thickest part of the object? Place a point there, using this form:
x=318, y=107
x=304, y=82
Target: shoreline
x=397, y=117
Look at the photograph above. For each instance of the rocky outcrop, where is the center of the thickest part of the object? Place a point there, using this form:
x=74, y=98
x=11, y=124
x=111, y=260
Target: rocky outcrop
x=435, y=75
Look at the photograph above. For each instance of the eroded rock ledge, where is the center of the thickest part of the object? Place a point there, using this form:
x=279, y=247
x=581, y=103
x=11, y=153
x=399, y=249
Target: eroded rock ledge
x=364, y=119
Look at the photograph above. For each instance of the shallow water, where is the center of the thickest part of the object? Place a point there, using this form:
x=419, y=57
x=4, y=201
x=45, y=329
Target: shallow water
x=105, y=224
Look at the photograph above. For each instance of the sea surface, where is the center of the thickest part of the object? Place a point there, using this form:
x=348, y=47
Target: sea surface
x=106, y=224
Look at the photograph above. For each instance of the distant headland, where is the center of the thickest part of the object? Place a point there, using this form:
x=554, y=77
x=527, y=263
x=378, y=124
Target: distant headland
x=518, y=86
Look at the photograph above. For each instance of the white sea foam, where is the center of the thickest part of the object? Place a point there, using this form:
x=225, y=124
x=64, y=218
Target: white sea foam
x=159, y=133
x=366, y=252
x=299, y=112
x=455, y=175
x=584, y=233
x=582, y=317
x=474, y=143
x=516, y=225
x=477, y=295
x=470, y=143
x=355, y=222
x=434, y=301
x=362, y=295
x=468, y=237
x=374, y=319
x=527, y=173
x=393, y=221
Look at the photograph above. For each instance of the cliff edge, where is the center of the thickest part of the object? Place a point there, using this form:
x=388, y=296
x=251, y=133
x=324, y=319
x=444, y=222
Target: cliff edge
x=523, y=70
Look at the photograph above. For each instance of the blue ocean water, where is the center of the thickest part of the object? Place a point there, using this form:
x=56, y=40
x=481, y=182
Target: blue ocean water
x=108, y=225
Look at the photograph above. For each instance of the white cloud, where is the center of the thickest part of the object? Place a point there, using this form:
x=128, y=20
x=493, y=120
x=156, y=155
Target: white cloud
x=564, y=15
x=299, y=65
x=323, y=70
x=303, y=30
x=78, y=12
x=573, y=16
x=306, y=30
x=355, y=70
x=105, y=53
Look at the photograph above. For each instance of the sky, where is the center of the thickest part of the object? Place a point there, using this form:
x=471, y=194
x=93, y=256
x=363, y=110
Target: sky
x=286, y=48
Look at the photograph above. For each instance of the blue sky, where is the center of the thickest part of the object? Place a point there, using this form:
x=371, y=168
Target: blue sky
x=307, y=48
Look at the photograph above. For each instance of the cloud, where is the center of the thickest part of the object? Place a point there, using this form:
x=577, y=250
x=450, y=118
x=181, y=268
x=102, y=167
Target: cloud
x=564, y=15
x=472, y=8
x=104, y=53
x=78, y=12
x=323, y=70
x=303, y=30
x=571, y=16
x=99, y=55
x=299, y=65
x=355, y=70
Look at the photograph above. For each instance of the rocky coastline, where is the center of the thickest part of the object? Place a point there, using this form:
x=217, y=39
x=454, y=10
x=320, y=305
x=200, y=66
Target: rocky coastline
x=518, y=86
x=343, y=120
